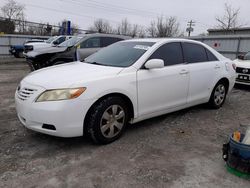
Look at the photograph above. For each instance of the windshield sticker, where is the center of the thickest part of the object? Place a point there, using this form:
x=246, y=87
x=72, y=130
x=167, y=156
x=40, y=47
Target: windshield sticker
x=142, y=47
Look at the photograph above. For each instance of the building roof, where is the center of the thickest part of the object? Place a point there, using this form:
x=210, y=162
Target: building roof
x=232, y=29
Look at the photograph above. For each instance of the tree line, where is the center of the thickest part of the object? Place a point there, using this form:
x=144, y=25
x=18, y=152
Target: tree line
x=12, y=20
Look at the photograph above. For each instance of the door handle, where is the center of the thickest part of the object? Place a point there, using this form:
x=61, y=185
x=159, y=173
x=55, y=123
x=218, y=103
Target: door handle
x=183, y=72
x=217, y=67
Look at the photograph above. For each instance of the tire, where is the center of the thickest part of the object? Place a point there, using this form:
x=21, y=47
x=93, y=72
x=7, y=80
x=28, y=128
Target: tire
x=20, y=54
x=107, y=120
x=16, y=55
x=218, y=96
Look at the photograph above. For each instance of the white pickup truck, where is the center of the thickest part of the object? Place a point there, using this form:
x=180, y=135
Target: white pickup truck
x=53, y=41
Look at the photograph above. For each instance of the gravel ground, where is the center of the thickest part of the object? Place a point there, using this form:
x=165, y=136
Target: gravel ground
x=182, y=149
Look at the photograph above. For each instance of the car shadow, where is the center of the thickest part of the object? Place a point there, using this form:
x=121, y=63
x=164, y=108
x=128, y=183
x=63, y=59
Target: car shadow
x=242, y=87
x=170, y=117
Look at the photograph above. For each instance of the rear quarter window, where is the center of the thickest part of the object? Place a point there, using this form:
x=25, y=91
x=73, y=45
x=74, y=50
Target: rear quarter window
x=211, y=56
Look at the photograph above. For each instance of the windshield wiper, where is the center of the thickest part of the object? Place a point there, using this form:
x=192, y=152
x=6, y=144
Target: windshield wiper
x=94, y=63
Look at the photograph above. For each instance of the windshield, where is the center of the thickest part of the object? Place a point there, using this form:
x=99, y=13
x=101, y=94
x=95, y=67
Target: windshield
x=70, y=42
x=247, y=56
x=51, y=39
x=121, y=54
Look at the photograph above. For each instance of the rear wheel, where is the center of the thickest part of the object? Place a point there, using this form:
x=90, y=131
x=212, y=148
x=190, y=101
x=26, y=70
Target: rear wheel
x=218, y=95
x=107, y=120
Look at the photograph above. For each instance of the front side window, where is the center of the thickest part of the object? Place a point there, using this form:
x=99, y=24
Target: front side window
x=120, y=54
x=91, y=43
x=170, y=53
x=194, y=53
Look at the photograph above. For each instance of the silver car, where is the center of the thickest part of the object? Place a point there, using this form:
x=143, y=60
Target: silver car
x=91, y=43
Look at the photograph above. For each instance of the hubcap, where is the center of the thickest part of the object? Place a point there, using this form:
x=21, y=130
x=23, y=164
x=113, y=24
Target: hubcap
x=112, y=121
x=219, y=95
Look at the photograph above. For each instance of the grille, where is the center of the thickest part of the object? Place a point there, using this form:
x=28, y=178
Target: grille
x=25, y=93
x=242, y=70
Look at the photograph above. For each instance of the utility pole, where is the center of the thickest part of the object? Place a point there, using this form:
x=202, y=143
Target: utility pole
x=190, y=27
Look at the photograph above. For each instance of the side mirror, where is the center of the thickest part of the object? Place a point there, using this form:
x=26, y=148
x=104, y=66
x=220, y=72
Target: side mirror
x=241, y=57
x=154, y=64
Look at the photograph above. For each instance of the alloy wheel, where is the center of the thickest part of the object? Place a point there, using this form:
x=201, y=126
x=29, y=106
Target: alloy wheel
x=112, y=121
x=219, y=94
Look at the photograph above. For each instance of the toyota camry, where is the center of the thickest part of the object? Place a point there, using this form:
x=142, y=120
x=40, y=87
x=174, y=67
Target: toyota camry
x=127, y=82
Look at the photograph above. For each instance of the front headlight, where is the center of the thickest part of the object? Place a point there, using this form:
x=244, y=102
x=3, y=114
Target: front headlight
x=60, y=94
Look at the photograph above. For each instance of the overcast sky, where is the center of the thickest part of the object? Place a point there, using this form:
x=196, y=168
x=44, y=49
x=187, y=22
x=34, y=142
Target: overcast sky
x=84, y=12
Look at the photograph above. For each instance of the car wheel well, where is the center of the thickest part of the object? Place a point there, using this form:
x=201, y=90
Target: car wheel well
x=122, y=96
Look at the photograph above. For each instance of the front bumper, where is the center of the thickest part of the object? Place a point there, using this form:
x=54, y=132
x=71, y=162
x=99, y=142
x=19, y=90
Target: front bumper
x=243, y=79
x=66, y=116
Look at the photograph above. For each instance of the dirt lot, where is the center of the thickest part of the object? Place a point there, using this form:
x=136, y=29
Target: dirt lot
x=182, y=149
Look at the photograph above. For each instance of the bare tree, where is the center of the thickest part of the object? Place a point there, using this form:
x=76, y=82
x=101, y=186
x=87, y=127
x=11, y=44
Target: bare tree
x=133, y=30
x=124, y=28
x=141, y=33
x=21, y=23
x=230, y=19
x=13, y=10
x=164, y=27
x=101, y=26
x=152, y=31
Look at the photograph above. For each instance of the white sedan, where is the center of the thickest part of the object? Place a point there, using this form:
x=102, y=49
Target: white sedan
x=243, y=69
x=129, y=81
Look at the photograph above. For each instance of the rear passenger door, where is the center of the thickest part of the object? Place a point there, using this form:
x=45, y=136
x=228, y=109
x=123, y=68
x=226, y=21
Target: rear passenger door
x=203, y=67
x=88, y=47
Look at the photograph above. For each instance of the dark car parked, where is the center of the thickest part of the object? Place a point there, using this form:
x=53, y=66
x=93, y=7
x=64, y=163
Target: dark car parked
x=76, y=48
x=16, y=50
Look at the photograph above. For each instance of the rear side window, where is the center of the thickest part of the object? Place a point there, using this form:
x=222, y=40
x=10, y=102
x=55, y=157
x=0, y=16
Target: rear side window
x=91, y=43
x=194, y=53
x=170, y=53
x=106, y=41
x=211, y=56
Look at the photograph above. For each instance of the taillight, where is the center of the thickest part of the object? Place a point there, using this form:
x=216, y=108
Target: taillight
x=234, y=66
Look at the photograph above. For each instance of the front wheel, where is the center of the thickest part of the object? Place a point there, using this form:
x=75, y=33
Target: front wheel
x=218, y=95
x=107, y=120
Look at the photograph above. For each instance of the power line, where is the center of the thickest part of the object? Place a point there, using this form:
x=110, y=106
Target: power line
x=110, y=8
x=118, y=9
x=65, y=12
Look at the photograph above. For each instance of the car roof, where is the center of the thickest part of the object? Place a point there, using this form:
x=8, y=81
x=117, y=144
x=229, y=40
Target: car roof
x=106, y=35
x=163, y=40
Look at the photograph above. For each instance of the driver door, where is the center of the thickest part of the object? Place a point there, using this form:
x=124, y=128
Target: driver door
x=163, y=88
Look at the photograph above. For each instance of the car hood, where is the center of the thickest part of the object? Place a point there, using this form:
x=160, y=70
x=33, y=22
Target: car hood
x=70, y=75
x=48, y=50
x=35, y=43
x=242, y=63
